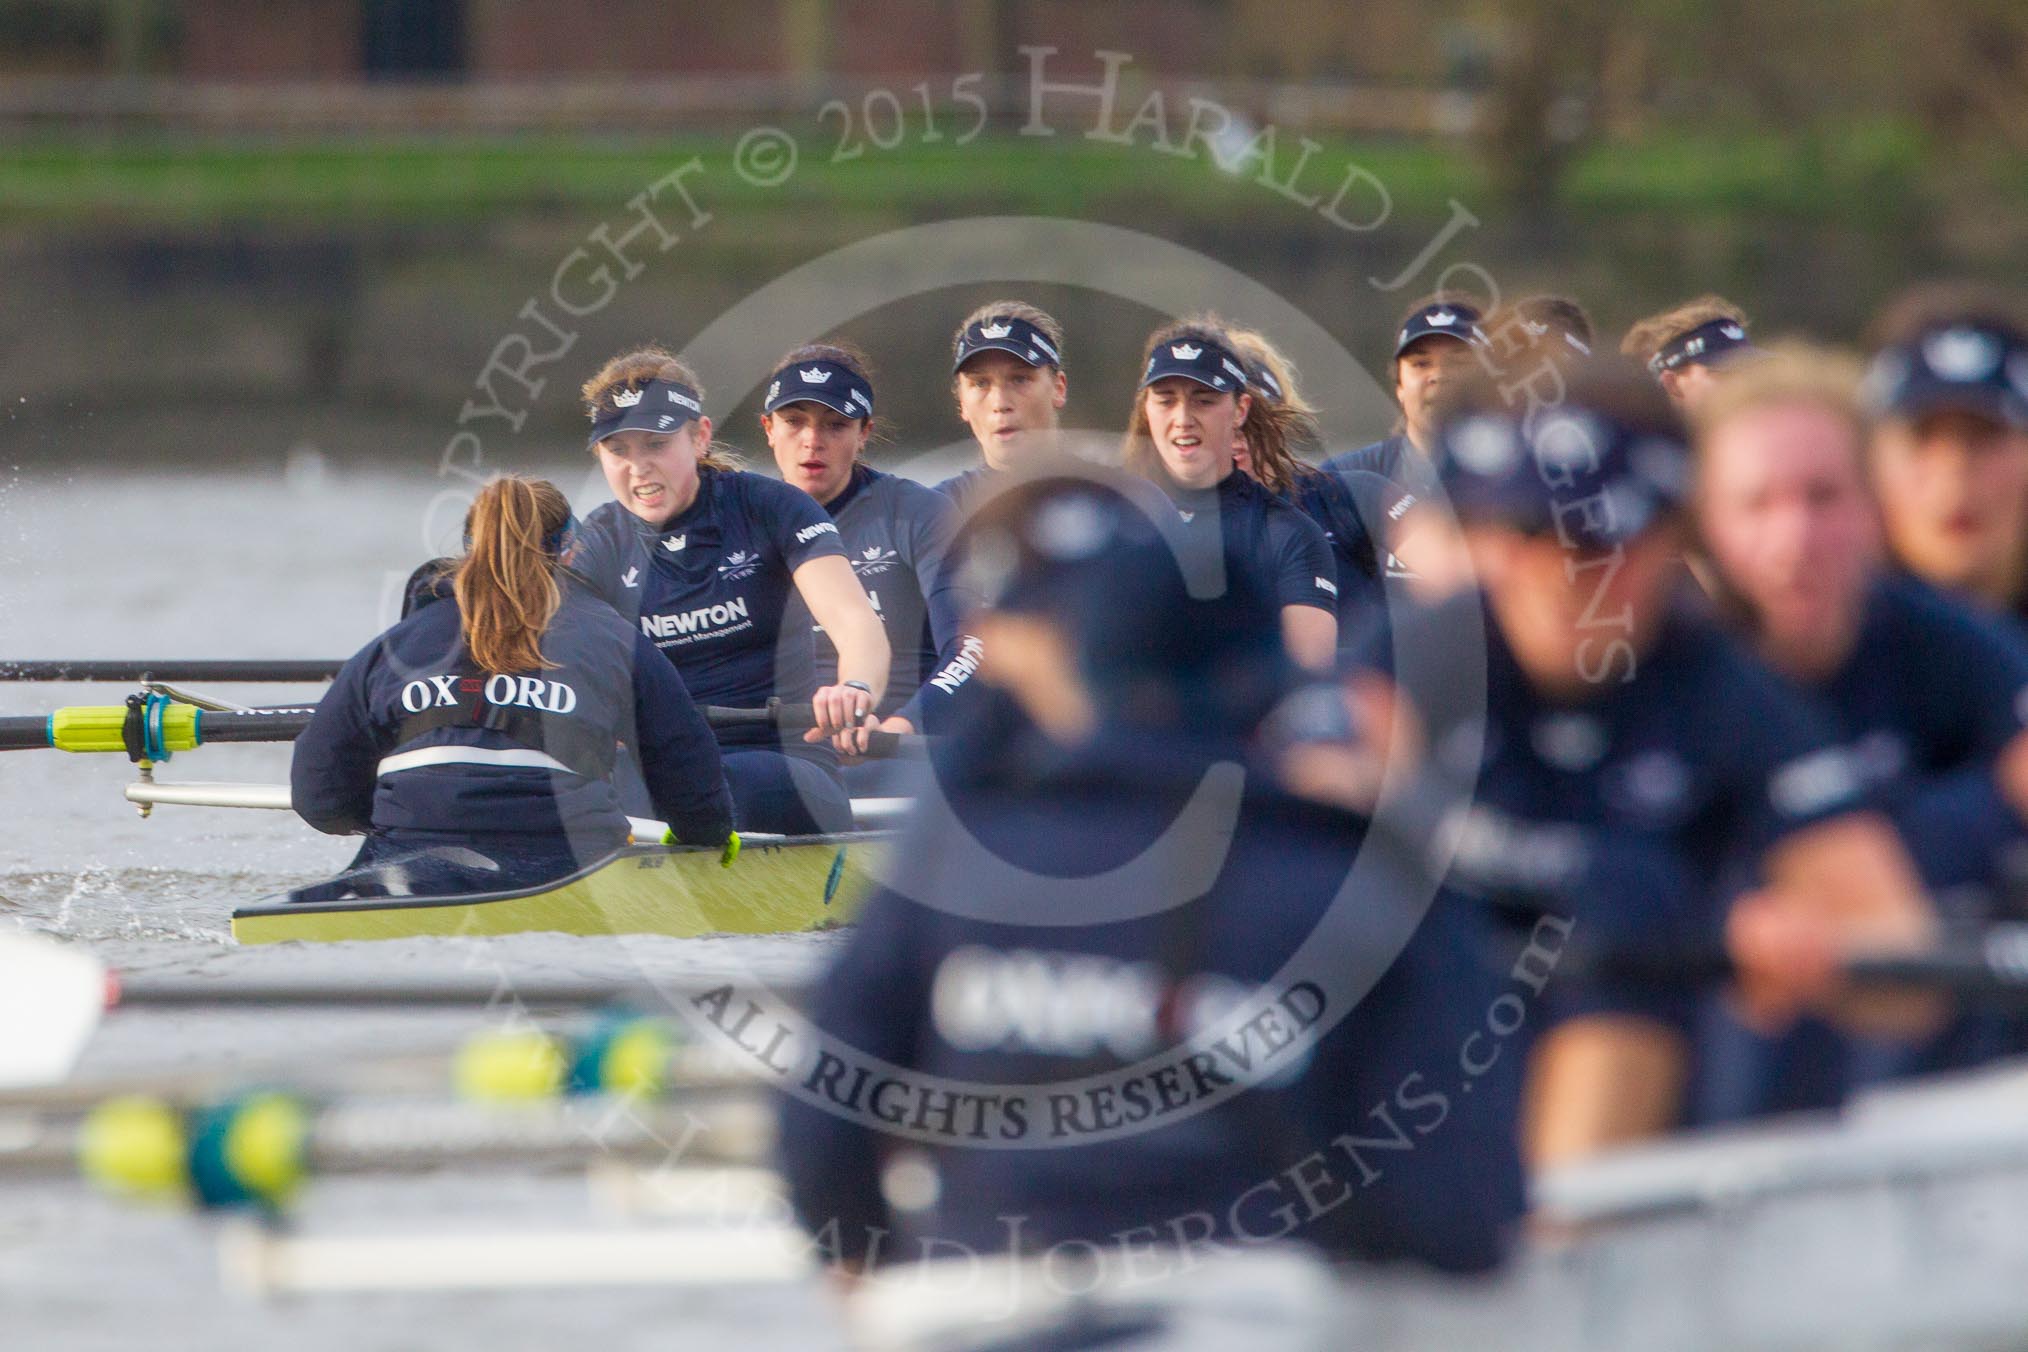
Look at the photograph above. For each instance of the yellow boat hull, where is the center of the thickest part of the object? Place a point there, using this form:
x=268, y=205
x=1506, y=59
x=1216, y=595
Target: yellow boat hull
x=774, y=888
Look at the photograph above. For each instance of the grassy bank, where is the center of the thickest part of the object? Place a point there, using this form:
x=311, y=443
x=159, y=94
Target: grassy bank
x=1867, y=176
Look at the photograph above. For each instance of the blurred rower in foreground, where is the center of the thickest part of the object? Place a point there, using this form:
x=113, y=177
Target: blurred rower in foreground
x=1949, y=385
x=1118, y=1054
x=1928, y=694
x=1687, y=347
x=1188, y=419
x=474, y=741
x=1625, y=765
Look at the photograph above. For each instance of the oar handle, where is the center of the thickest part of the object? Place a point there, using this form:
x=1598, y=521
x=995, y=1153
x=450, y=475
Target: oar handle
x=255, y=725
x=1989, y=966
x=801, y=718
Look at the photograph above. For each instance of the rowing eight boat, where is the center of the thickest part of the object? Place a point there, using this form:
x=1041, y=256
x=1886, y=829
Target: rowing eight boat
x=777, y=886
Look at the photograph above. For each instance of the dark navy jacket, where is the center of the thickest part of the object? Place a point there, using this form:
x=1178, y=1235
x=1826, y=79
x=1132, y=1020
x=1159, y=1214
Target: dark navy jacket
x=1015, y=1015
x=609, y=686
x=712, y=587
x=898, y=536
x=1637, y=810
x=1354, y=508
x=1282, y=552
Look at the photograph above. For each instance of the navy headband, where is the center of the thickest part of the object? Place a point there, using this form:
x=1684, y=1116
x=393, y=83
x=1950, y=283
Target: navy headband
x=1005, y=333
x=830, y=383
x=1707, y=343
x=1200, y=359
x=1263, y=382
x=658, y=406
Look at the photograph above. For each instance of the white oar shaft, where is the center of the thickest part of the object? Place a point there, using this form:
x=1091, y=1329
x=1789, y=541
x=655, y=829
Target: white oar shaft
x=210, y=795
x=869, y=813
x=261, y=1263
x=276, y=796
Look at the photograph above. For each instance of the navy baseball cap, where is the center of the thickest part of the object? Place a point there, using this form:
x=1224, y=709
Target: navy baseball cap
x=1208, y=363
x=830, y=383
x=1005, y=333
x=658, y=406
x=1709, y=344
x=1443, y=321
x=1975, y=366
x=1584, y=475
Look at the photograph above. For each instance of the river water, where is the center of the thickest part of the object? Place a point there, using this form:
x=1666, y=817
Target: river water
x=298, y=562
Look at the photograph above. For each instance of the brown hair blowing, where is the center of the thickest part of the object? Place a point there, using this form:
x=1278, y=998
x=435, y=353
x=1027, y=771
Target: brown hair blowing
x=632, y=370
x=506, y=583
x=1276, y=428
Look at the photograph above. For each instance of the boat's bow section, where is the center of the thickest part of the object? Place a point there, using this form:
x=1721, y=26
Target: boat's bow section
x=777, y=886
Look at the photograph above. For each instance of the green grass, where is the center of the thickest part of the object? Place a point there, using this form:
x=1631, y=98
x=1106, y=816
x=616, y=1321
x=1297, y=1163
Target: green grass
x=154, y=180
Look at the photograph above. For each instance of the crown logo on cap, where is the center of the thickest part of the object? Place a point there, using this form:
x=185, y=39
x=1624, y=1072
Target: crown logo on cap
x=626, y=398
x=814, y=375
x=1000, y=330
x=1732, y=331
x=1961, y=355
x=1443, y=319
x=1185, y=352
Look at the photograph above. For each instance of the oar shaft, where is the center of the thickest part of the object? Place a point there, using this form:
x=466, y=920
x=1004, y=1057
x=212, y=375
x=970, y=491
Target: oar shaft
x=126, y=669
x=404, y=1136
x=1989, y=966
x=100, y=727
x=157, y=992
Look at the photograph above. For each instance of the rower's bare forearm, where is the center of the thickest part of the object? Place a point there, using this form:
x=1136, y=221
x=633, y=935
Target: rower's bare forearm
x=863, y=655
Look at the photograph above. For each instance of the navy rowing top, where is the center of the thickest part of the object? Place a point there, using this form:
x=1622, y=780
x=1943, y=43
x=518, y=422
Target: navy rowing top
x=1636, y=810
x=1930, y=695
x=1274, y=545
x=966, y=489
x=1393, y=458
x=1354, y=509
x=711, y=589
x=898, y=536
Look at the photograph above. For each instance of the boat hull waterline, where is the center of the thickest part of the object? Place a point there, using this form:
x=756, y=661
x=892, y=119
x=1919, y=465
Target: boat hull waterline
x=778, y=887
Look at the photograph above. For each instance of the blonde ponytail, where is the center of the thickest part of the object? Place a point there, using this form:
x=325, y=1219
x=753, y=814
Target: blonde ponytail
x=506, y=583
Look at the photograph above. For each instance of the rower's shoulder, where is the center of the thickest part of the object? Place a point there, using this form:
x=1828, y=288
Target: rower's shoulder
x=961, y=487
x=918, y=495
x=608, y=525
x=744, y=490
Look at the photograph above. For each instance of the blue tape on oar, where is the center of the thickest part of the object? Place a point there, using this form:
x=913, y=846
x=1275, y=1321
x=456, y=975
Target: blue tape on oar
x=248, y=1151
x=623, y=1054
